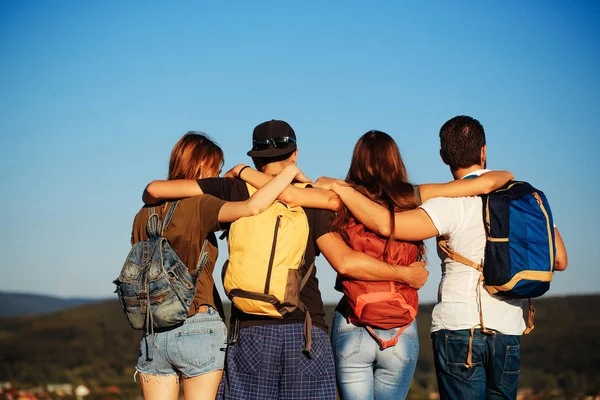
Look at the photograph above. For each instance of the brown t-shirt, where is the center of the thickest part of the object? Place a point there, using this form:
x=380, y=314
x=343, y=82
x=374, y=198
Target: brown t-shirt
x=318, y=221
x=194, y=220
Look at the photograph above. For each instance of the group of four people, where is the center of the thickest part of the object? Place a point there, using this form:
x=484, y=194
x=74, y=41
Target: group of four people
x=267, y=360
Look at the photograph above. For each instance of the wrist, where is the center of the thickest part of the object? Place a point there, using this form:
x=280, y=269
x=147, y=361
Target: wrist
x=336, y=186
x=292, y=168
x=238, y=170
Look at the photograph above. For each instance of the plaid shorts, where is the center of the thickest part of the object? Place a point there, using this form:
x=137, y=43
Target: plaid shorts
x=267, y=363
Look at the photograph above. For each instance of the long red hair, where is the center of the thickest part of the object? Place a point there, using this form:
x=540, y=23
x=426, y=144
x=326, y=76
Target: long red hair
x=194, y=154
x=378, y=172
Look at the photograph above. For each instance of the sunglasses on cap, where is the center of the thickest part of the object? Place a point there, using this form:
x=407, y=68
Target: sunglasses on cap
x=281, y=142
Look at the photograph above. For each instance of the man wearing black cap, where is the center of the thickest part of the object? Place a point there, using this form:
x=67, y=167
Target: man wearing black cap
x=267, y=360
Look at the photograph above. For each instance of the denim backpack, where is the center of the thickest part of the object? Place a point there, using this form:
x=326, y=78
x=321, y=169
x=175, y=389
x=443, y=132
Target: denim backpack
x=154, y=287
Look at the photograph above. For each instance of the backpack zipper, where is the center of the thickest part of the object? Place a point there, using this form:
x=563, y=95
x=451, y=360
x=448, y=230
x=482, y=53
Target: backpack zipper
x=272, y=258
x=539, y=200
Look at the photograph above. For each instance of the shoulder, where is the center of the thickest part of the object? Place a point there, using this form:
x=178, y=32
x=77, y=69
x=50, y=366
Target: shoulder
x=319, y=221
x=314, y=214
x=448, y=203
x=203, y=201
x=231, y=189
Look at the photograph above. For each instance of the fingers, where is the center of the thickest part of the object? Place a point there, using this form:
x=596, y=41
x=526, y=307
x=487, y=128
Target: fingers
x=300, y=177
x=421, y=264
x=419, y=278
x=324, y=183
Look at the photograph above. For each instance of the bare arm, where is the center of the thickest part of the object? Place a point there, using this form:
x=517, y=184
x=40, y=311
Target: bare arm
x=292, y=195
x=410, y=225
x=357, y=265
x=561, y=259
x=260, y=200
x=483, y=184
x=157, y=191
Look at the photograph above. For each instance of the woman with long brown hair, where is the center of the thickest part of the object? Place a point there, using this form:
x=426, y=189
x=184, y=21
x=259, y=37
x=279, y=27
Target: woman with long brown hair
x=195, y=349
x=374, y=357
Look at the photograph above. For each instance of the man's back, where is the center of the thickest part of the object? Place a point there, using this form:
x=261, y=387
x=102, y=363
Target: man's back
x=460, y=221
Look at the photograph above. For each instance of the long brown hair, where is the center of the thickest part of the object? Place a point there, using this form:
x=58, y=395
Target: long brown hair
x=378, y=172
x=194, y=153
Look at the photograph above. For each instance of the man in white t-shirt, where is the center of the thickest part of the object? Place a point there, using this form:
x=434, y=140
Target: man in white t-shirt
x=484, y=365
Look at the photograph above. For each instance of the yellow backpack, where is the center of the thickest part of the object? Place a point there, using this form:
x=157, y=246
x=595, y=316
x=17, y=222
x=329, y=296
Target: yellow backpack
x=266, y=252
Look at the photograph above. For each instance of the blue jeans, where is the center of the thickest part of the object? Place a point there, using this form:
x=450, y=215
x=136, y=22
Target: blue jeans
x=495, y=370
x=363, y=370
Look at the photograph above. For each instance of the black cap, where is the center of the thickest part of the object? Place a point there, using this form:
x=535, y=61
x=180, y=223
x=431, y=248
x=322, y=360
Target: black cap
x=270, y=130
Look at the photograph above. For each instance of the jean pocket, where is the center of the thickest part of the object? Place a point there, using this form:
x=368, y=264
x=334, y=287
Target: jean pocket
x=457, y=350
x=348, y=341
x=407, y=348
x=315, y=363
x=196, y=347
x=248, y=352
x=511, y=369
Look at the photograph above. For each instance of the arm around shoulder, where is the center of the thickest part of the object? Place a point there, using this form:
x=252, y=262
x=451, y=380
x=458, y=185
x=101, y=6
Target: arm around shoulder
x=170, y=189
x=483, y=184
x=262, y=199
x=357, y=265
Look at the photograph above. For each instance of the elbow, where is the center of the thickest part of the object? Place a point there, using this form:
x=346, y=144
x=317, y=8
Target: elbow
x=286, y=198
x=254, y=210
x=152, y=188
x=346, y=265
x=489, y=188
x=561, y=263
x=342, y=269
x=384, y=230
x=150, y=193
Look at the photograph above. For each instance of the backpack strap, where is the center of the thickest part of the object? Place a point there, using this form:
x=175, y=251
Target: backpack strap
x=530, y=318
x=443, y=246
x=307, y=317
x=202, y=260
x=153, y=223
x=169, y=216
x=384, y=344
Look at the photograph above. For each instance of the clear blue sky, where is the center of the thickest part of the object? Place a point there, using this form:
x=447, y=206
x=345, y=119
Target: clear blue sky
x=93, y=95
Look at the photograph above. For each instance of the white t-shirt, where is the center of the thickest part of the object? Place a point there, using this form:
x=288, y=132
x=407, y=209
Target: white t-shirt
x=460, y=221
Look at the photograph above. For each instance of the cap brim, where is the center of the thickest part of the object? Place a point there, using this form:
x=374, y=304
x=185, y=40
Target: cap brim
x=271, y=152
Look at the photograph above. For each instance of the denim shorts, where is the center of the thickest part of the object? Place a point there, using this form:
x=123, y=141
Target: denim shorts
x=193, y=348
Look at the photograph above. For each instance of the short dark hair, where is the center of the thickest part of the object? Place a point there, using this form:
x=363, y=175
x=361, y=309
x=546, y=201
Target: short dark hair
x=461, y=140
x=261, y=162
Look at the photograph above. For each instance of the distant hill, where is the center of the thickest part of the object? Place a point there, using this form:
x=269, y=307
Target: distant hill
x=93, y=344
x=19, y=304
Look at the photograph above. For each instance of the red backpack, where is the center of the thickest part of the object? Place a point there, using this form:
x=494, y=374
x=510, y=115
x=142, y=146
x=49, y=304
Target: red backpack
x=382, y=305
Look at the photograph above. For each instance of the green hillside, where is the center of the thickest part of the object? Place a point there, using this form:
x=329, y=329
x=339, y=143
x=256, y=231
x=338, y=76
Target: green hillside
x=93, y=344
x=18, y=304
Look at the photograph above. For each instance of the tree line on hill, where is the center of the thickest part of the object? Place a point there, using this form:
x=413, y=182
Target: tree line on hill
x=94, y=345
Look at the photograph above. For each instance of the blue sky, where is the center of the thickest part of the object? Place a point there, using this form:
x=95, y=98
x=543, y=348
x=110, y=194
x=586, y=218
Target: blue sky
x=93, y=95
